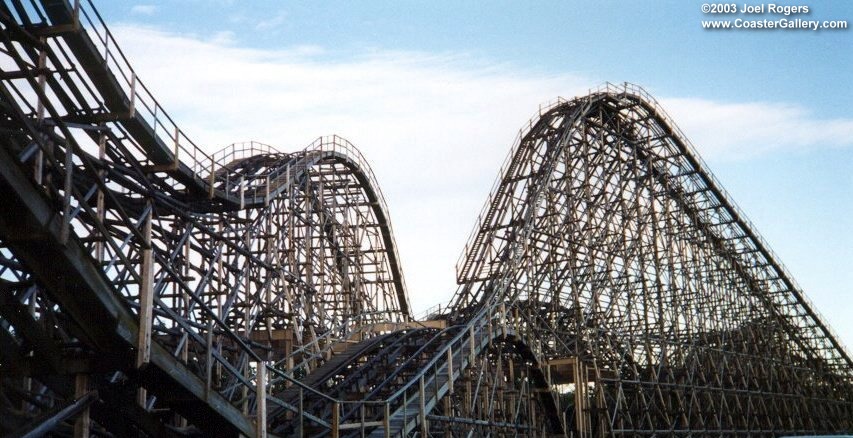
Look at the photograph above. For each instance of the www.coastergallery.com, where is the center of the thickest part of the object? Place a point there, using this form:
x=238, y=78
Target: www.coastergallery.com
x=783, y=23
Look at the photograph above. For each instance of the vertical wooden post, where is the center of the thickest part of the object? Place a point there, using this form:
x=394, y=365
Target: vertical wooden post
x=267, y=192
x=247, y=312
x=82, y=424
x=489, y=328
x=65, y=226
x=580, y=398
x=517, y=322
x=503, y=320
x=471, y=346
x=132, y=109
x=336, y=420
x=38, y=164
x=211, y=180
x=177, y=146
x=405, y=406
x=75, y=15
x=185, y=350
x=261, y=400
x=386, y=423
x=28, y=381
x=289, y=369
x=450, y=370
x=469, y=403
x=208, y=378
x=100, y=204
x=242, y=195
x=422, y=407
x=548, y=374
x=301, y=414
x=586, y=418
x=185, y=300
x=42, y=65
x=448, y=411
x=532, y=404
x=146, y=300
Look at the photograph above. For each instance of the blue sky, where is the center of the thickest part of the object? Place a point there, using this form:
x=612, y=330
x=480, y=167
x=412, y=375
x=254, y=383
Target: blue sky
x=660, y=45
x=771, y=111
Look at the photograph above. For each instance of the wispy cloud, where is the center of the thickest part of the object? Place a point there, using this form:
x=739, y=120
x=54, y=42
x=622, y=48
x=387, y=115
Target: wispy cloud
x=223, y=38
x=435, y=127
x=731, y=131
x=272, y=22
x=143, y=9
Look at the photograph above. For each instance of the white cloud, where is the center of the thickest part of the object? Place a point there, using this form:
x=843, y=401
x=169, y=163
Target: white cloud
x=435, y=128
x=272, y=22
x=223, y=38
x=143, y=9
x=744, y=130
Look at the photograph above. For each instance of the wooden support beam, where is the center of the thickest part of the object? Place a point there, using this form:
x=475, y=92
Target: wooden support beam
x=450, y=370
x=386, y=422
x=336, y=420
x=146, y=301
x=208, y=363
x=471, y=346
x=211, y=180
x=47, y=422
x=65, y=227
x=132, y=108
x=422, y=407
x=82, y=425
x=100, y=202
x=301, y=418
x=261, y=400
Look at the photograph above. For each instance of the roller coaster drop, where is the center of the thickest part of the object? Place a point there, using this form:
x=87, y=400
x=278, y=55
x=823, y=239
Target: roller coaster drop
x=147, y=288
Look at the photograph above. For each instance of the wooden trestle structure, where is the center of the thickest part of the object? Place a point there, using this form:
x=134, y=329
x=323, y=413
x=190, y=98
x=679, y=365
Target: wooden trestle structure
x=611, y=287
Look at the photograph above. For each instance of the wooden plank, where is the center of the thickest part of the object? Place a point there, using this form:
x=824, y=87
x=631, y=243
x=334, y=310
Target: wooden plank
x=82, y=424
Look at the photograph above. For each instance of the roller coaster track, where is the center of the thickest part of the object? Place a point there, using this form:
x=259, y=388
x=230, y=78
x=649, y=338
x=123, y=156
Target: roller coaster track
x=150, y=288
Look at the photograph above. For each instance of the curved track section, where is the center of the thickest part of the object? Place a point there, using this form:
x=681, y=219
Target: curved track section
x=473, y=379
x=135, y=265
x=612, y=242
